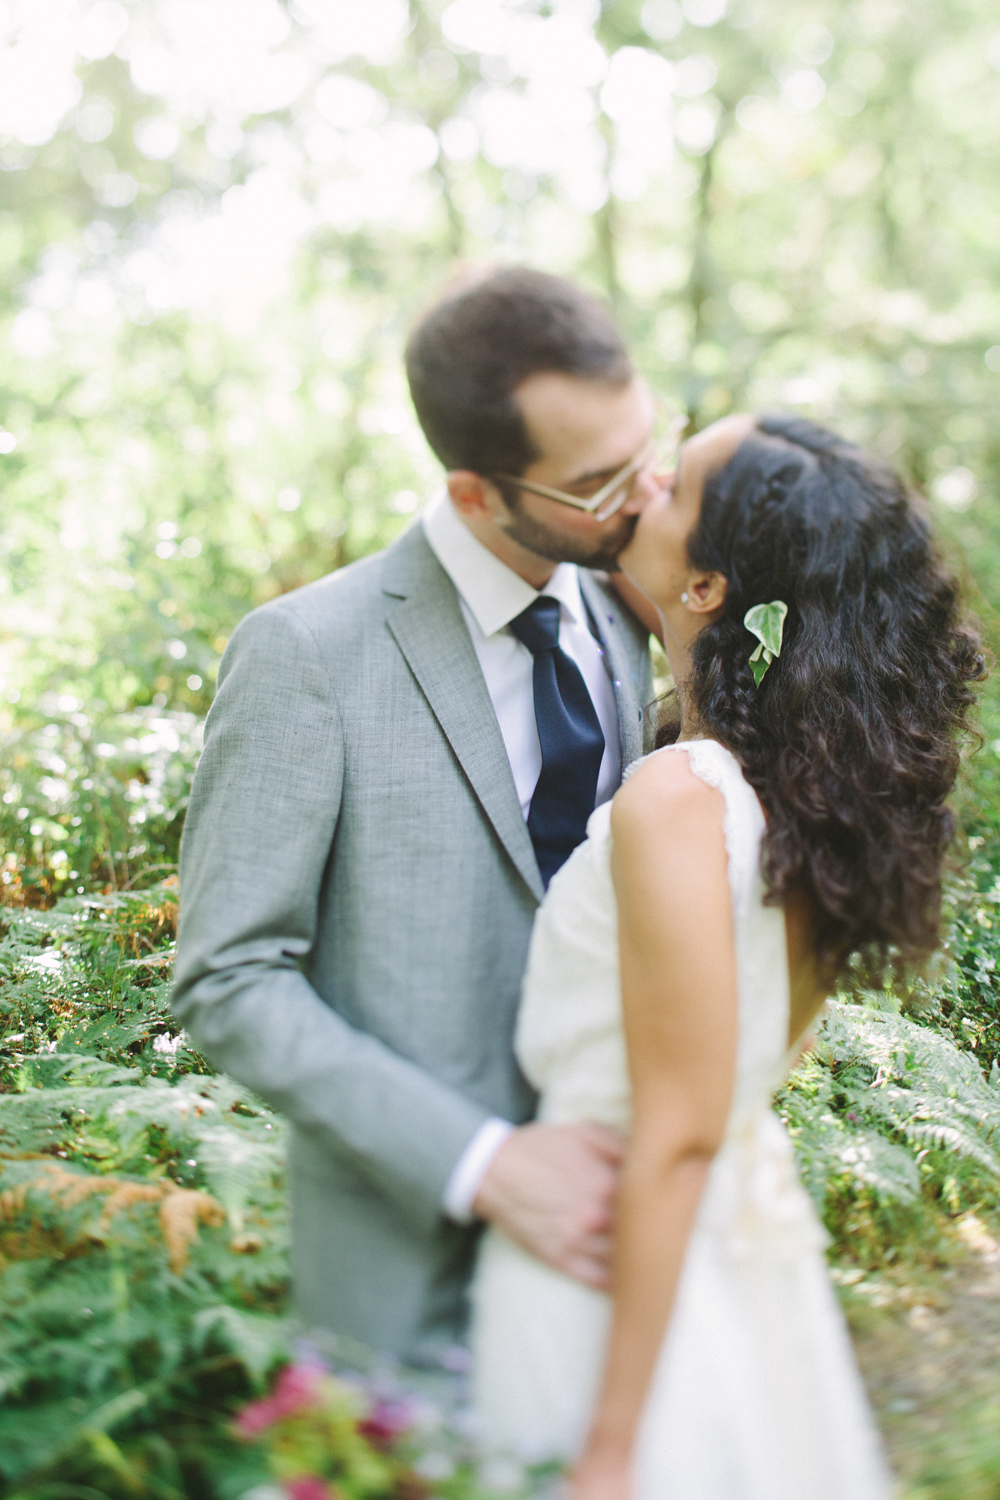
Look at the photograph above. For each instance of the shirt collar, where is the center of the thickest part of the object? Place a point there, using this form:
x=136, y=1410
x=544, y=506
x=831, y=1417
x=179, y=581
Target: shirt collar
x=493, y=593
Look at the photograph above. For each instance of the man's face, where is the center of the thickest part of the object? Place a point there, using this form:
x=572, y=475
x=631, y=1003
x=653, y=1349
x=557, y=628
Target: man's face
x=585, y=431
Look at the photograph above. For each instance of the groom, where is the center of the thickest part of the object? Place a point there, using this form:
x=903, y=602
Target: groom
x=398, y=759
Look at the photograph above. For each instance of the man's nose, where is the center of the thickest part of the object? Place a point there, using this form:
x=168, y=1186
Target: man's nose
x=645, y=487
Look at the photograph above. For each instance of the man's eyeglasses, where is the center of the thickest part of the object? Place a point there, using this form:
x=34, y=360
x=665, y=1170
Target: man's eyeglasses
x=605, y=502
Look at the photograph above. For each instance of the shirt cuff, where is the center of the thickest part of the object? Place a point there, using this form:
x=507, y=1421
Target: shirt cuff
x=470, y=1169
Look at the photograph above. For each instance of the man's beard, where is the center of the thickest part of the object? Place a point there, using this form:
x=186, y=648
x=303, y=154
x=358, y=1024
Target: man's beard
x=538, y=538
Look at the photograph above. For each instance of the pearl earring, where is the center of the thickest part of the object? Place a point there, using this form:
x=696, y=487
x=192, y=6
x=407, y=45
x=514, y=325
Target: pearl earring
x=684, y=598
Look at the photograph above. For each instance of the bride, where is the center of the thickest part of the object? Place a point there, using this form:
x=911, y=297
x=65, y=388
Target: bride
x=680, y=958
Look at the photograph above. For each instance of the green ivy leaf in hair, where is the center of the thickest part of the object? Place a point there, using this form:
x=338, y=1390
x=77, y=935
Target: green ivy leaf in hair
x=766, y=622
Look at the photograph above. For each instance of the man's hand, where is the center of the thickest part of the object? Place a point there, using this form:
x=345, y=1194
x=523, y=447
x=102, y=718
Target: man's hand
x=552, y=1189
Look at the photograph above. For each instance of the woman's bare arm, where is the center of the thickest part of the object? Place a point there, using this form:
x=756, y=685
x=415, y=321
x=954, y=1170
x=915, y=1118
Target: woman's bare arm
x=679, y=999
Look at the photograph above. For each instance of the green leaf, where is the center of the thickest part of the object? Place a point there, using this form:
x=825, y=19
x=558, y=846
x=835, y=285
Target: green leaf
x=259, y=1341
x=759, y=664
x=766, y=622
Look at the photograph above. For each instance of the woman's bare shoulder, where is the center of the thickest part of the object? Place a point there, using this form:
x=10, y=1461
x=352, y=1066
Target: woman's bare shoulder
x=668, y=857
x=663, y=781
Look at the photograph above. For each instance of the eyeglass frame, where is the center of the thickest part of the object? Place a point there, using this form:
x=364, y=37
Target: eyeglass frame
x=656, y=449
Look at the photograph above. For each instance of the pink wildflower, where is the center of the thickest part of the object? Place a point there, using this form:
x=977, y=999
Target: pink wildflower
x=386, y=1421
x=296, y=1388
x=308, y=1487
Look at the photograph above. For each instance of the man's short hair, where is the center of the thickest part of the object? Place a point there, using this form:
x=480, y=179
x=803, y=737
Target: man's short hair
x=470, y=352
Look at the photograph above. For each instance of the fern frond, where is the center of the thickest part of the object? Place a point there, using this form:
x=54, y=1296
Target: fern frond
x=879, y=1091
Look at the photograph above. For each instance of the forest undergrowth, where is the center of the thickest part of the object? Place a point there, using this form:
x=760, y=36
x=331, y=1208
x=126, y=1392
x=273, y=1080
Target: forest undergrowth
x=143, y=1233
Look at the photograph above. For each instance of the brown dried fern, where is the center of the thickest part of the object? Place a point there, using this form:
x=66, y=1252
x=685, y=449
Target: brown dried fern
x=182, y=1211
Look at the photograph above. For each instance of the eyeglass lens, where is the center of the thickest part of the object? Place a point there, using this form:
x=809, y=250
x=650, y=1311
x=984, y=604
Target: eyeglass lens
x=660, y=451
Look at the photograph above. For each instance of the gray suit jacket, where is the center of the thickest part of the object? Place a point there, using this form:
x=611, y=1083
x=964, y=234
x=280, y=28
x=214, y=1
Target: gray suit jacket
x=358, y=888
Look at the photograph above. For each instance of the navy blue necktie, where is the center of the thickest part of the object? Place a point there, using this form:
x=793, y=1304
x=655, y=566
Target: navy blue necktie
x=571, y=738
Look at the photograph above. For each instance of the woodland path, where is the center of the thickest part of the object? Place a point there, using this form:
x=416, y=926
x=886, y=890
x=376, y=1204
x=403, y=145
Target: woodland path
x=929, y=1347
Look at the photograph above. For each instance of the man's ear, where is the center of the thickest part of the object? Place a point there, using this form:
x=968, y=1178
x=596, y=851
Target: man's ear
x=707, y=592
x=469, y=493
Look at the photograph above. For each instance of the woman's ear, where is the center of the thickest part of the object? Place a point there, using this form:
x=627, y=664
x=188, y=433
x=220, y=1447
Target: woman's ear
x=707, y=592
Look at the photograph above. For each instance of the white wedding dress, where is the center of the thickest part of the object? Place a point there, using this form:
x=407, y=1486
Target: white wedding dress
x=756, y=1395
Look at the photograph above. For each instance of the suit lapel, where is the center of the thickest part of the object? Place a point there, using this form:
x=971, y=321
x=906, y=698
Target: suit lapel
x=606, y=611
x=426, y=622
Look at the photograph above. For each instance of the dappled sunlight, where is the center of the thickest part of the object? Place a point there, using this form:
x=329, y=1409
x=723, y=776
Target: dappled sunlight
x=258, y=199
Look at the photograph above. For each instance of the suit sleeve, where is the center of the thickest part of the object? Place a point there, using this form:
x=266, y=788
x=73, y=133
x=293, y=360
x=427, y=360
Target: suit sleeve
x=259, y=831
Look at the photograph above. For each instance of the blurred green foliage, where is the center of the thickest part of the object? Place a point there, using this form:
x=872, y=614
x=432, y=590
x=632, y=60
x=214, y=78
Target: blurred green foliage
x=123, y=1354
x=88, y=804
x=217, y=221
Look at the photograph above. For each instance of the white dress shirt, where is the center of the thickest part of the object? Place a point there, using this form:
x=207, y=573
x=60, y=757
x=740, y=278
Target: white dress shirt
x=491, y=595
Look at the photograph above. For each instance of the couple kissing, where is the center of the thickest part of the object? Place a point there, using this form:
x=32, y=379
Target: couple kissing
x=523, y=974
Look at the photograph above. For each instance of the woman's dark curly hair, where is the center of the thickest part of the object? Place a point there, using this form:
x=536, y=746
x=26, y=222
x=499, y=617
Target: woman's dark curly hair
x=852, y=740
